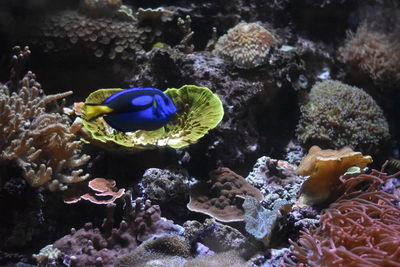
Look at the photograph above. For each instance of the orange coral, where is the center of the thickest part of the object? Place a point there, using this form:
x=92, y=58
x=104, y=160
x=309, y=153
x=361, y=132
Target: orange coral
x=105, y=192
x=360, y=231
x=325, y=167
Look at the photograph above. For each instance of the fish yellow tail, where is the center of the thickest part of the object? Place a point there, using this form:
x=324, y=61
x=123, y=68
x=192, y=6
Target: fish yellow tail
x=93, y=111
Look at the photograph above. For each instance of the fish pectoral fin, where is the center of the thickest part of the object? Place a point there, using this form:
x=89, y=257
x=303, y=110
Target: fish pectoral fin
x=94, y=111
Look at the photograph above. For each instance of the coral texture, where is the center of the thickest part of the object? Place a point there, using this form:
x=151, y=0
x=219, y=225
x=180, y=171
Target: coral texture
x=102, y=37
x=276, y=179
x=372, y=53
x=360, y=229
x=198, y=111
x=100, y=8
x=216, y=236
x=155, y=252
x=246, y=45
x=42, y=143
x=222, y=195
x=261, y=222
x=90, y=246
x=340, y=115
x=166, y=184
x=325, y=168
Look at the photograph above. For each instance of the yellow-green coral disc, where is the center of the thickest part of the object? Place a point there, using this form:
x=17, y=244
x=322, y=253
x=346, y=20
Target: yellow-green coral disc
x=198, y=111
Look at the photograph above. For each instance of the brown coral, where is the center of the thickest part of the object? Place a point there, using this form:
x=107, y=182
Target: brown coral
x=246, y=45
x=103, y=37
x=372, y=53
x=325, y=168
x=42, y=143
x=361, y=229
x=222, y=196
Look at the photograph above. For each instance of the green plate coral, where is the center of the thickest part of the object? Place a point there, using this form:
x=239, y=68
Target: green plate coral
x=198, y=111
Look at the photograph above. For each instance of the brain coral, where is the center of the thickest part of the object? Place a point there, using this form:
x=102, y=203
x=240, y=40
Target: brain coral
x=338, y=115
x=372, y=53
x=246, y=45
x=102, y=36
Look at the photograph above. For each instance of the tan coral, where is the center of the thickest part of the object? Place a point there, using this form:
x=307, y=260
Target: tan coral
x=103, y=37
x=325, y=168
x=42, y=143
x=246, y=45
x=222, y=196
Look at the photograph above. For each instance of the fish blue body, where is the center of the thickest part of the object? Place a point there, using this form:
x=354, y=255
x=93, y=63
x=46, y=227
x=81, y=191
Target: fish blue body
x=134, y=109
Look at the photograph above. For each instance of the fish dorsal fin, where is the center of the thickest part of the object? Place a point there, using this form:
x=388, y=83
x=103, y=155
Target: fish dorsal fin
x=142, y=101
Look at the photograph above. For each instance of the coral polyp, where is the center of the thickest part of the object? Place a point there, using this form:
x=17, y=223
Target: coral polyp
x=246, y=45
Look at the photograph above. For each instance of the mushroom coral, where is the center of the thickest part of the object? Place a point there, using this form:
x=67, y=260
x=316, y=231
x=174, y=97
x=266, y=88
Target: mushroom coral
x=198, y=111
x=325, y=168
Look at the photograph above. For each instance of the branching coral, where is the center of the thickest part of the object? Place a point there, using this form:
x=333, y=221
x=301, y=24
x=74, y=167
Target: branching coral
x=42, y=143
x=372, y=53
x=360, y=229
x=246, y=45
x=340, y=115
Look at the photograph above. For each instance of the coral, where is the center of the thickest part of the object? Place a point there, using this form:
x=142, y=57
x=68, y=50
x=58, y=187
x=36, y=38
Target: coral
x=223, y=259
x=47, y=255
x=340, y=115
x=42, y=142
x=185, y=25
x=221, y=196
x=359, y=229
x=145, y=221
x=166, y=184
x=372, y=53
x=161, y=13
x=157, y=252
x=246, y=45
x=198, y=111
x=216, y=236
x=102, y=37
x=261, y=222
x=88, y=247
x=105, y=192
x=100, y=8
x=325, y=168
x=276, y=179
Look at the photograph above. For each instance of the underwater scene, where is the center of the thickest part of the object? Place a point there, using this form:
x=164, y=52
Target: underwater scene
x=200, y=133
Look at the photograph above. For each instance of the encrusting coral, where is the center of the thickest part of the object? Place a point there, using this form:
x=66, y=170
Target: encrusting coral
x=43, y=143
x=325, y=168
x=165, y=185
x=222, y=195
x=102, y=36
x=198, y=111
x=361, y=229
x=339, y=115
x=372, y=53
x=246, y=45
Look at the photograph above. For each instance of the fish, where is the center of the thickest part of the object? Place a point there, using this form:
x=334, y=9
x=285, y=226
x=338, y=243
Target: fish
x=134, y=109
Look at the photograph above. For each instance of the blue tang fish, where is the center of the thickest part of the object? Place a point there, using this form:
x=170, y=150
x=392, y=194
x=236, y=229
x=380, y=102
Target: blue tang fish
x=134, y=109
